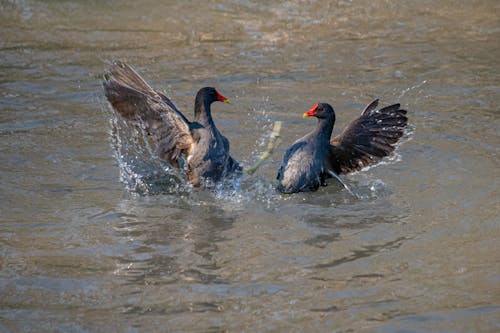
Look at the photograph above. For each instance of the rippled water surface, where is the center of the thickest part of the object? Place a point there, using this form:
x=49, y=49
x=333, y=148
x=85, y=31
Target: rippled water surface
x=418, y=251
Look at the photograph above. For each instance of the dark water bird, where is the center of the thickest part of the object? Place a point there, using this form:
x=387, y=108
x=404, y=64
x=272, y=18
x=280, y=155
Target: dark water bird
x=311, y=160
x=196, y=145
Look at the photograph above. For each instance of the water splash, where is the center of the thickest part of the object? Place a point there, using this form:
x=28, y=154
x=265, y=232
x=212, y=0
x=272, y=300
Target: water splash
x=145, y=174
x=140, y=168
x=404, y=91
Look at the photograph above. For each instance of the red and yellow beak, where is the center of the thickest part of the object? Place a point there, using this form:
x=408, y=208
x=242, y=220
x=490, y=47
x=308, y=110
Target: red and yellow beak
x=312, y=112
x=221, y=98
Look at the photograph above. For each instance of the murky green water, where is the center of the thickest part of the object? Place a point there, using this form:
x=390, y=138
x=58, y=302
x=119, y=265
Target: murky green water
x=418, y=252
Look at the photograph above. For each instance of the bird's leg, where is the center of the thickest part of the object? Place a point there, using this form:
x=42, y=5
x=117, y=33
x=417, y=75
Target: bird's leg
x=347, y=187
x=273, y=143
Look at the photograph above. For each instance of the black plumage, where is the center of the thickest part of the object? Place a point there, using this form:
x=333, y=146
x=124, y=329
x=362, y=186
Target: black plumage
x=197, y=144
x=315, y=157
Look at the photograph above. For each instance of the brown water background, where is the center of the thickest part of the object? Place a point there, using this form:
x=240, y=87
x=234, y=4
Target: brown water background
x=418, y=252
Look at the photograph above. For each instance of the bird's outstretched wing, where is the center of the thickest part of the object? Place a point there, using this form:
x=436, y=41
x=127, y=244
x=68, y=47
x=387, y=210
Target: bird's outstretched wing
x=367, y=139
x=132, y=98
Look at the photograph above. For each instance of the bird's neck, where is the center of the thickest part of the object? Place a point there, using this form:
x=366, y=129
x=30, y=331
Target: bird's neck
x=324, y=129
x=202, y=113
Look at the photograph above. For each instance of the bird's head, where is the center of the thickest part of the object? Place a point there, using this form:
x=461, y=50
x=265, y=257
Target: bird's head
x=211, y=95
x=320, y=111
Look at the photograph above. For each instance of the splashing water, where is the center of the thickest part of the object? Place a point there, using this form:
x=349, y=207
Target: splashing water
x=140, y=168
x=145, y=174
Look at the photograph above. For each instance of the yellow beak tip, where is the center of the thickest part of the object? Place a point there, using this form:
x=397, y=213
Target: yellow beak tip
x=227, y=101
x=305, y=115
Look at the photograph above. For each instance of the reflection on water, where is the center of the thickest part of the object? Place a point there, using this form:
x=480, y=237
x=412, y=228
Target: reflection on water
x=180, y=250
x=82, y=249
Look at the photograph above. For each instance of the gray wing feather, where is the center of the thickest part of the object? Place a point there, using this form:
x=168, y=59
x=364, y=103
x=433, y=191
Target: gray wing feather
x=132, y=98
x=368, y=139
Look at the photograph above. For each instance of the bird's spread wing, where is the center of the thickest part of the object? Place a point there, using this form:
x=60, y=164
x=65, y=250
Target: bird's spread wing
x=137, y=102
x=367, y=139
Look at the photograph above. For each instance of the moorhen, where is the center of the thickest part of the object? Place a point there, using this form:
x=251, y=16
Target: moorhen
x=315, y=157
x=197, y=145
